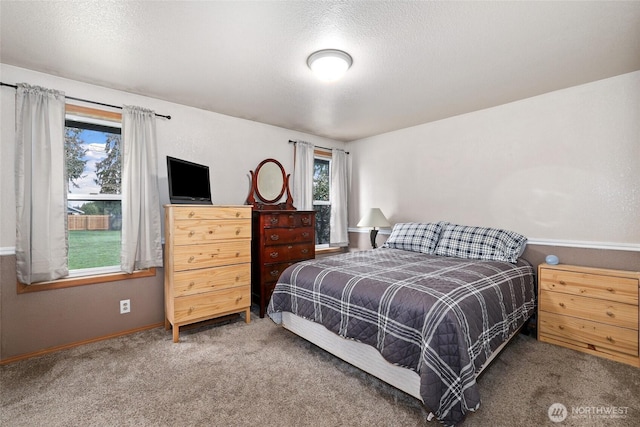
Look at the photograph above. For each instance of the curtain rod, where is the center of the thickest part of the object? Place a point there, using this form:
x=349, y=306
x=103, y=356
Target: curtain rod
x=291, y=141
x=89, y=101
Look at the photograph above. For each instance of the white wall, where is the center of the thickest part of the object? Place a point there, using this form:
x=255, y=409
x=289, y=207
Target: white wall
x=561, y=166
x=230, y=146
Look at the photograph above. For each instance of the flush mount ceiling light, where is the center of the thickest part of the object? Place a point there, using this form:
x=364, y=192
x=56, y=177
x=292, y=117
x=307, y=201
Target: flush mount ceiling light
x=329, y=64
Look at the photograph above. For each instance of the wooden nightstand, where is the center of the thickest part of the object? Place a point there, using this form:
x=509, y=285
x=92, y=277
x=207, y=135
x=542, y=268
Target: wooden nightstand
x=593, y=310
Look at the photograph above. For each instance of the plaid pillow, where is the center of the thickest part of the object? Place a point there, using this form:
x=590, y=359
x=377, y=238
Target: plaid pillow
x=493, y=244
x=414, y=236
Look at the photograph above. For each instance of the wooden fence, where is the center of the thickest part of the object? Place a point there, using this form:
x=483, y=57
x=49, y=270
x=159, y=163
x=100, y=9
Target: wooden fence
x=88, y=222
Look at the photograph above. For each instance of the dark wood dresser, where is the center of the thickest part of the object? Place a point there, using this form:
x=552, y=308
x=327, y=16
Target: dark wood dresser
x=280, y=239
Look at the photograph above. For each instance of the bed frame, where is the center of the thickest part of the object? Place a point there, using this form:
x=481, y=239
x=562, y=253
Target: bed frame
x=366, y=357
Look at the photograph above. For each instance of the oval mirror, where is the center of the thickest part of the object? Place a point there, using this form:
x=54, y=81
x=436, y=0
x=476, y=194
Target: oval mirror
x=270, y=179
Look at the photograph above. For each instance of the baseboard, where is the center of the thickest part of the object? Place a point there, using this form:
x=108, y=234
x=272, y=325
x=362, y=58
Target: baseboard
x=77, y=344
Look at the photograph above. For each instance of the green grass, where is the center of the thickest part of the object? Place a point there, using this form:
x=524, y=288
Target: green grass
x=88, y=249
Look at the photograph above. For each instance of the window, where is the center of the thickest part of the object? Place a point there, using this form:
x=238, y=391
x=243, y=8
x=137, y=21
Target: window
x=321, y=197
x=94, y=209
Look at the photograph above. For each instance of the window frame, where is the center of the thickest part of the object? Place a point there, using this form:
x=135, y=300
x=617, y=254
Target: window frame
x=326, y=156
x=99, y=274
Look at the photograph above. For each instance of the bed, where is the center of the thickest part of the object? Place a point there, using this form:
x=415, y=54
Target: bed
x=425, y=313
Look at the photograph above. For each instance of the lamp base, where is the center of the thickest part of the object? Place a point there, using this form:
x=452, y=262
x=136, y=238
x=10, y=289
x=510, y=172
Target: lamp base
x=373, y=235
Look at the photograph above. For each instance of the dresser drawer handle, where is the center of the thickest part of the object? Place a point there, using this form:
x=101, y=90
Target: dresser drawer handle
x=191, y=258
x=610, y=339
x=237, y=278
x=561, y=327
x=305, y=251
x=274, y=220
x=273, y=254
x=306, y=220
x=191, y=214
x=238, y=230
x=610, y=290
x=275, y=273
x=610, y=314
x=191, y=233
x=562, y=282
x=237, y=214
x=275, y=237
x=305, y=234
x=191, y=309
x=238, y=299
x=191, y=284
x=561, y=304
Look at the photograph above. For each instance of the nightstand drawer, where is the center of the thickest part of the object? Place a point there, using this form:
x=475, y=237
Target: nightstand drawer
x=599, y=310
x=193, y=282
x=188, y=232
x=587, y=334
x=203, y=306
x=607, y=287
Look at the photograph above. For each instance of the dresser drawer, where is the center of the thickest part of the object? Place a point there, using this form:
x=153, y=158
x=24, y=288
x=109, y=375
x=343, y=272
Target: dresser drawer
x=206, y=212
x=271, y=272
x=588, y=334
x=281, y=253
x=202, y=306
x=611, y=288
x=274, y=236
x=599, y=310
x=211, y=255
x=187, y=232
x=191, y=282
x=295, y=219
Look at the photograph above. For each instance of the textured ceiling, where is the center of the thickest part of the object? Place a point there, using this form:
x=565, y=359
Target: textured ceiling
x=414, y=62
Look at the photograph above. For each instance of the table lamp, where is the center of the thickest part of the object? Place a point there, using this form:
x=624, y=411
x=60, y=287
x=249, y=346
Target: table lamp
x=374, y=218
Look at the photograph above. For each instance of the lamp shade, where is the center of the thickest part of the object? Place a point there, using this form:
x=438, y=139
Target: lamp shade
x=374, y=218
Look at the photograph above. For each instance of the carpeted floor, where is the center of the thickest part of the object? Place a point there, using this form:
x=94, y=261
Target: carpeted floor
x=239, y=374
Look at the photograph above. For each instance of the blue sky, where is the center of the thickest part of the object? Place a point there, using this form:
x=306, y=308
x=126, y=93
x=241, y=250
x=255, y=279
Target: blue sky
x=93, y=142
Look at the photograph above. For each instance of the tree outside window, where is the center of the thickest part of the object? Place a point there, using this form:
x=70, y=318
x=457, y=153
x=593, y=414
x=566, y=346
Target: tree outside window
x=94, y=214
x=321, y=199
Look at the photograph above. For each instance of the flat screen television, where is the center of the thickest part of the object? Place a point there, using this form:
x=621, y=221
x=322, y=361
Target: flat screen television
x=188, y=182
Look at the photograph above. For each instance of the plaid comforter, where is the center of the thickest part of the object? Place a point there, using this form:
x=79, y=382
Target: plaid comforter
x=441, y=317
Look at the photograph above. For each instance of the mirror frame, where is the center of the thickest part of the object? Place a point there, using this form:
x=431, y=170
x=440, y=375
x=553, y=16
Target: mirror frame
x=257, y=199
x=259, y=193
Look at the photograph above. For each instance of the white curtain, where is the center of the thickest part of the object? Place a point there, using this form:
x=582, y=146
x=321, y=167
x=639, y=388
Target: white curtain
x=141, y=233
x=41, y=185
x=303, y=176
x=338, y=235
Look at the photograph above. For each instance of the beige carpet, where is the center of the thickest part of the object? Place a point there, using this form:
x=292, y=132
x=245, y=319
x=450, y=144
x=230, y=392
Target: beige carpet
x=261, y=375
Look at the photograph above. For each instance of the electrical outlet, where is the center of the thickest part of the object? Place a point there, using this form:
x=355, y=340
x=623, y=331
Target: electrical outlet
x=125, y=306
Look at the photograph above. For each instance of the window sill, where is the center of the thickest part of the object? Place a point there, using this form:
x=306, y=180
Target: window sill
x=326, y=251
x=85, y=280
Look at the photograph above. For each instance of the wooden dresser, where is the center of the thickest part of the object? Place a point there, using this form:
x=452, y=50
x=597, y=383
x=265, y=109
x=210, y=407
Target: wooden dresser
x=593, y=310
x=281, y=238
x=207, y=268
